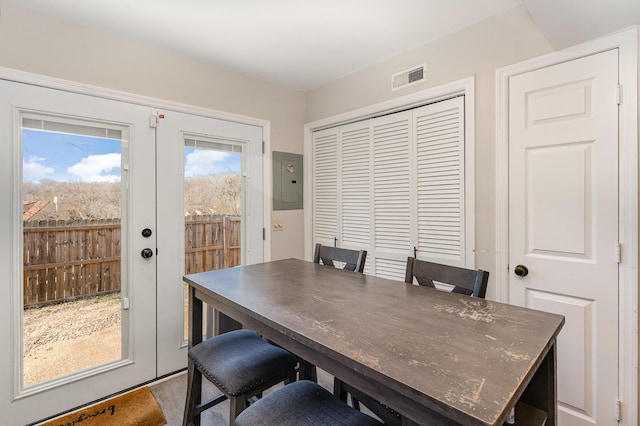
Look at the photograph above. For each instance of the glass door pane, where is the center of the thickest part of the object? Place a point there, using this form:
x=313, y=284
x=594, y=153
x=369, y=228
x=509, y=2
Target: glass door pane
x=72, y=198
x=213, y=202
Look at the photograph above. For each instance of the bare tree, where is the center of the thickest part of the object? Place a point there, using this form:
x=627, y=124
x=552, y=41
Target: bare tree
x=216, y=194
x=220, y=194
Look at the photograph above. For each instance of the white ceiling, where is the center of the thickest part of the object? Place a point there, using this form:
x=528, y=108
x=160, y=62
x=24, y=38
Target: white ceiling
x=568, y=22
x=302, y=44
x=305, y=44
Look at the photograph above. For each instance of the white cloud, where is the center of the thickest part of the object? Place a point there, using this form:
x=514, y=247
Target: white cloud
x=33, y=169
x=202, y=162
x=98, y=168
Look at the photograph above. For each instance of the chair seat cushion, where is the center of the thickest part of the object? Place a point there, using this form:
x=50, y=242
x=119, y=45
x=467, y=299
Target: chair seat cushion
x=240, y=361
x=302, y=403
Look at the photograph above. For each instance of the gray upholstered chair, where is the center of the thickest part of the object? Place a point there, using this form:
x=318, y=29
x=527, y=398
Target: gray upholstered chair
x=241, y=364
x=302, y=403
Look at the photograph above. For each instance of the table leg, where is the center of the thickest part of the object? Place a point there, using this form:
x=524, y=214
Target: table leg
x=194, y=378
x=195, y=318
x=542, y=390
x=224, y=323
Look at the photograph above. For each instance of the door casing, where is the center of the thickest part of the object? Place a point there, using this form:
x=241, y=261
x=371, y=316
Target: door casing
x=627, y=45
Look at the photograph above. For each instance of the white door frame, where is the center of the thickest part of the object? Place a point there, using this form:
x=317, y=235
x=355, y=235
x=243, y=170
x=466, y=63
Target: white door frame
x=101, y=92
x=627, y=44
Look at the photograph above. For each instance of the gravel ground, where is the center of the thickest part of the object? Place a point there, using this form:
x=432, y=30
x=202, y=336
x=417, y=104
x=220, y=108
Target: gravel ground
x=72, y=336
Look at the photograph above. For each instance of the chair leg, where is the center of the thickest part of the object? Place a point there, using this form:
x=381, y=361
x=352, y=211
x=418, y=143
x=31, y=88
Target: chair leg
x=194, y=395
x=355, y=402
x=291, y=377
x=338, y=390
x=237, y=405
x=253, y=399
x=307, y=371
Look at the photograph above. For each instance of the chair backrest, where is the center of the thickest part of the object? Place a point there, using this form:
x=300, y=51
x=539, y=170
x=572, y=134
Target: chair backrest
x=353, y=259
x=465, y=281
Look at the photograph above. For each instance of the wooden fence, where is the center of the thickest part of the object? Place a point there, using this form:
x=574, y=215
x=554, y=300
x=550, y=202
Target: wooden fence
x=66, y=260
x=211, y=242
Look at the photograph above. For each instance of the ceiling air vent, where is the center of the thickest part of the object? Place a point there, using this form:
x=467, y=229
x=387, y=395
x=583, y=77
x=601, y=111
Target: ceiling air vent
x=407, y=77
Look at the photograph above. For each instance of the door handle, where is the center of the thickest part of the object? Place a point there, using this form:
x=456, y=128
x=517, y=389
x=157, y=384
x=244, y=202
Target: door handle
x=146, y=253
x=521, y=270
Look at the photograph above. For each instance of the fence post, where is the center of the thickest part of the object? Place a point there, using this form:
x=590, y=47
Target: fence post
x=225, y=239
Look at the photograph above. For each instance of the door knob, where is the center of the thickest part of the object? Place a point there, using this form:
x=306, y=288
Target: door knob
x=146, y=253
x=521, y=270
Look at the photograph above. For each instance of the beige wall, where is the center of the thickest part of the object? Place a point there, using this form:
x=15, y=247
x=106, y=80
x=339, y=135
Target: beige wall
x=52, y=47
x=475, y=51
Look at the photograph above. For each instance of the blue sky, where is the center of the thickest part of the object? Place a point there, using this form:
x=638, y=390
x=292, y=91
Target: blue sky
x=69, y=158
x=73, y=158
x=204, y=162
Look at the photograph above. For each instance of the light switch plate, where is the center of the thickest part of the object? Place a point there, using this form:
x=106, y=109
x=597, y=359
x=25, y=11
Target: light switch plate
x=278, y=224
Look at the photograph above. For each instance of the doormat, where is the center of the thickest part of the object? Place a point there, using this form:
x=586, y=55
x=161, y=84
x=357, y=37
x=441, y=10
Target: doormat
x=136, y=408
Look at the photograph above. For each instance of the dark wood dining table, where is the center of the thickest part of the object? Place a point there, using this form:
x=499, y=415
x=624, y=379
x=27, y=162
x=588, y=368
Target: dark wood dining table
x=435, y=357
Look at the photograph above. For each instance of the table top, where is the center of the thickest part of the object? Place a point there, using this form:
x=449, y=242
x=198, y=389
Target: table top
x=466, y=357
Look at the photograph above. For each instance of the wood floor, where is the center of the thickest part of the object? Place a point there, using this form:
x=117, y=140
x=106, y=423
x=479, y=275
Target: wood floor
x=171, y=392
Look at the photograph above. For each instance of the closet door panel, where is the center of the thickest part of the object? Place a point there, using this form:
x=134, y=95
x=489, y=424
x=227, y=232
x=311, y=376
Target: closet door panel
x=439, y=144
x=356, y=185
x=325, y=186
x=392, y=211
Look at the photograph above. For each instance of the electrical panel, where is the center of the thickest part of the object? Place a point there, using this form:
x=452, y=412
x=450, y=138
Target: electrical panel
x=287, y=181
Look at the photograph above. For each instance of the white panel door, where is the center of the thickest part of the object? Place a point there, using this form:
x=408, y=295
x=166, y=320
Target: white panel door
x=69, y=115
x=563, y=222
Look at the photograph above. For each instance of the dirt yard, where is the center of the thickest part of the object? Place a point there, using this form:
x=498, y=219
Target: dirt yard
x=70, y=337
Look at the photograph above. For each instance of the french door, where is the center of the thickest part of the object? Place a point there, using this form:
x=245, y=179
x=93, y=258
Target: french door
x=91, y=142
x=94, y=210
x=204, y=147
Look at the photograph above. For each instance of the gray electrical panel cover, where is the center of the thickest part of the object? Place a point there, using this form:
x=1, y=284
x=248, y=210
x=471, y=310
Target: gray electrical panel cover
x=287, y=181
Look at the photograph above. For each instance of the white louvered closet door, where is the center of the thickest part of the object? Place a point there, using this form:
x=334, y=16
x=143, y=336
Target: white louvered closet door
x=392, y=194
x=355, y=188
x=325, y=186
x=392, y=184
x=439, y=177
